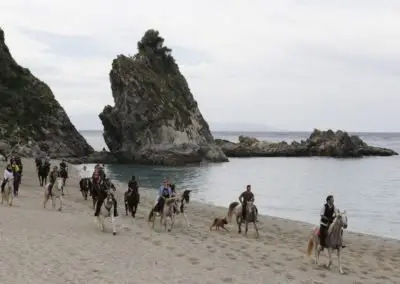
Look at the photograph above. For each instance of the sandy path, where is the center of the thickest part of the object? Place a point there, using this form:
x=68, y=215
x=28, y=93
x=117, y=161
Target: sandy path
x=45, y=246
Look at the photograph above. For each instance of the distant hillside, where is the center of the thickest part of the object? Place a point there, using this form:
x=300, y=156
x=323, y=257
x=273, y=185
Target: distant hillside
x=238, y=126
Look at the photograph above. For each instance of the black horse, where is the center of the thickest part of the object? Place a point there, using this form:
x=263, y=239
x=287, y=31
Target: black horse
x=86, y=187
x=43, y=172
x=131, y=200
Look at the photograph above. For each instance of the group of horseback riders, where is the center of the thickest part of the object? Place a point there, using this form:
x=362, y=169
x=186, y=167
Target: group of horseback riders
x=13, y=171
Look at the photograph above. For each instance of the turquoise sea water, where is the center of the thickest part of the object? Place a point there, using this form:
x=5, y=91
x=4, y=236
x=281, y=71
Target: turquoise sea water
x=293, y=188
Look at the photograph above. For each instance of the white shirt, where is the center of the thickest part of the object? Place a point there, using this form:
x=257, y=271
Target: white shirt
x=8, y=175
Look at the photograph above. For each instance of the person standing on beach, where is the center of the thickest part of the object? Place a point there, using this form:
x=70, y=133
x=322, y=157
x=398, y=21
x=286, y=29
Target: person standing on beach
x=245, y=197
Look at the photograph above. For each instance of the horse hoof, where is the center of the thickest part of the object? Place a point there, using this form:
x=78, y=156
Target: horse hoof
x=114, y=233
x=169, y=230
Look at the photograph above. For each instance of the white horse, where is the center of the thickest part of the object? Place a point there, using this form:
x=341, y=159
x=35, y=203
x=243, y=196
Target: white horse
x=169, y=211
x=169, y=208
x=8, y=193
x=333, y=240
x=56, y=192
x=235, y=208
x=107, y=210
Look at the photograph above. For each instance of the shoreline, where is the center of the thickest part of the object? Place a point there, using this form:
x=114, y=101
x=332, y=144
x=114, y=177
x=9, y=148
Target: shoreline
x=152, y=192
x=67, y=247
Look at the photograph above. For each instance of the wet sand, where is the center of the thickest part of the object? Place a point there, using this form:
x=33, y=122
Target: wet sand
x=40, y=245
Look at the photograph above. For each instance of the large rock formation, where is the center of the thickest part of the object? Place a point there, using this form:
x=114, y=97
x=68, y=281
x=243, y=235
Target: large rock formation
x=155, y=119
x=320, y=143
x=31, y=119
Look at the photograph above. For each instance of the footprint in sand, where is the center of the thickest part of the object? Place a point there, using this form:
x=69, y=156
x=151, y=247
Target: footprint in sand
x=212, y=250
x=157, y=242
x=210, y=268
x=227, y=279
x=231, y=256
x=180, y=254
x=194, y=261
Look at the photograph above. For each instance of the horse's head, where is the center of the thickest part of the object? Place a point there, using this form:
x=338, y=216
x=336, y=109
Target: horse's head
x=108, y=201
x=250, y=207
x=341, y=218
x=186, y=195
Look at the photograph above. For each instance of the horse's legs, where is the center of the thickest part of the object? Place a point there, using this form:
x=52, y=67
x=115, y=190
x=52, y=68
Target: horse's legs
x=317, y=248
x=256, y=228
x=246, y=227
x=172, y=222
x=340, y=268
x=10, y=196
x=53, y=202
x=134, y=210
x=185, y=218
x=61, y=203
x=239, y=222
x=46, y=198
x=126, y=209
x=113, y=219
x=330, y=257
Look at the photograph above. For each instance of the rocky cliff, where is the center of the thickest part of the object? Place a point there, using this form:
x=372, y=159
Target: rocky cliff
x=337, y=144
x=30, y=116
x=155, y=119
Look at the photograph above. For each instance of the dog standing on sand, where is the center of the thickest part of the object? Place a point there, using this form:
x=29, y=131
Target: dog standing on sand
x=219, y=223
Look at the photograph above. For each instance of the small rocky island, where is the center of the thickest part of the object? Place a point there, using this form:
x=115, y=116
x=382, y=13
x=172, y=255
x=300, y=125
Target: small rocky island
x=31, y=119
x=155, y=119
x=337, y=144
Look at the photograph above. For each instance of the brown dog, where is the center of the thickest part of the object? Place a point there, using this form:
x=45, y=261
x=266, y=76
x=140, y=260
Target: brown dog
x=219, y=223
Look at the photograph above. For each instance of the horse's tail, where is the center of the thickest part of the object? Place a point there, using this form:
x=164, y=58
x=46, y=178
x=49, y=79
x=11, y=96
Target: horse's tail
x=232, y=206
x=310, y=245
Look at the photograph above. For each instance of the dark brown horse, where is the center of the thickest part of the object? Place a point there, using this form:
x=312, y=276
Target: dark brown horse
x=131, y=200
x=85, y=185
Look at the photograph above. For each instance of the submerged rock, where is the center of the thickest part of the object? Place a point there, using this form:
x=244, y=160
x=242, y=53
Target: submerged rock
x=155, y=119
x=337, y=144
x=31, y=119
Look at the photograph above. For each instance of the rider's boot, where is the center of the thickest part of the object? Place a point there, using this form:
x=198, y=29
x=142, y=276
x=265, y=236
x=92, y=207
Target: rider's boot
x=98, y=206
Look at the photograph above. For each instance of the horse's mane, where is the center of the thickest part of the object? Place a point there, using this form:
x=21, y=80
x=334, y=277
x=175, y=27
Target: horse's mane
x=336, y=227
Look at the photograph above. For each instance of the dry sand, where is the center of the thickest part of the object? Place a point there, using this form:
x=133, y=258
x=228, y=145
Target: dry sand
x=46, y=246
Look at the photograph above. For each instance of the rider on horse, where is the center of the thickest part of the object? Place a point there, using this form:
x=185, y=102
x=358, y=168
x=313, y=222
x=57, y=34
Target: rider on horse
x=8, y=174
x=328, y=213
x=244, y=198
x=63, y=169
x=163, y=193
x=101, y=195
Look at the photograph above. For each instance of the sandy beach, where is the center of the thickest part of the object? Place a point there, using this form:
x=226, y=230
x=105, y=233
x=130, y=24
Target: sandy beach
x=40, y=245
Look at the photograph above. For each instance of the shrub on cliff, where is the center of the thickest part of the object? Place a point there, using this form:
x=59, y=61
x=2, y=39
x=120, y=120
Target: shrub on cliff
x=152, y=47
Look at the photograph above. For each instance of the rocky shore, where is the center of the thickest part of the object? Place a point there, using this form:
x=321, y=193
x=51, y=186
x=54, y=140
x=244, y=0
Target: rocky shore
x=155, y=119
x=337, y=144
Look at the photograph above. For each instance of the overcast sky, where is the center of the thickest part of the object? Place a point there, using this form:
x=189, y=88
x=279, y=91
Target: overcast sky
x=293, y=65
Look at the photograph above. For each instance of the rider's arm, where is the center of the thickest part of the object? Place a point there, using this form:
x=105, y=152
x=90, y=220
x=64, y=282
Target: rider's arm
x=322, y=213
x=240, y=198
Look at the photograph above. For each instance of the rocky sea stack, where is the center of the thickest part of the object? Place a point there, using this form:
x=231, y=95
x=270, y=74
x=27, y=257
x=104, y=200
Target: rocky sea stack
x=31, y=119
x=337, y=144
x=155, y=119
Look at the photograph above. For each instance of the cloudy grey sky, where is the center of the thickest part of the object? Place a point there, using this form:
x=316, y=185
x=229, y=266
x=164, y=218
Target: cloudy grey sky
x=292, y=65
